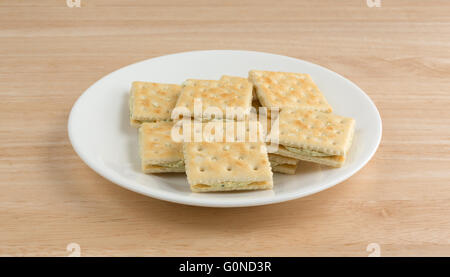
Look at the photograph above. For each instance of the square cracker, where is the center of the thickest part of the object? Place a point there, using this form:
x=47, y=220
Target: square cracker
x=229, y=91
x=225, y=166
x=283, y=89
x=156, y=148
x=150, y=102
x=316, y=131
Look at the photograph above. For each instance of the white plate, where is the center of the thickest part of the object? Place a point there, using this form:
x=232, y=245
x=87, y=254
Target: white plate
x=100, y=133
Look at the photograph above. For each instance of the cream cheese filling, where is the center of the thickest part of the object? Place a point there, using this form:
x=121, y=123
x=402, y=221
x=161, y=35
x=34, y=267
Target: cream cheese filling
x=176, y=164
x=274, y=163
x=234, y=184
x=230, y=184
x=305, y=152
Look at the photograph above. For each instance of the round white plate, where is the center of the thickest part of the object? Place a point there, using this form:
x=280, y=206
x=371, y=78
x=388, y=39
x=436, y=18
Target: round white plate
x=100, y=132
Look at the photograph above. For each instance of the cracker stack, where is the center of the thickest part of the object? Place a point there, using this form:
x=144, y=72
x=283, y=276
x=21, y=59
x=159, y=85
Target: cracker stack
x=314, y=136
x=306, y=129
x=157, y=150
x=282, y=90
x=221, y=165
x=151, y=102
x=229, y=91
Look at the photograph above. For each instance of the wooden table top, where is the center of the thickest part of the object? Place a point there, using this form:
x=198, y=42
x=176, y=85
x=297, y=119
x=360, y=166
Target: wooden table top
x=398, y=53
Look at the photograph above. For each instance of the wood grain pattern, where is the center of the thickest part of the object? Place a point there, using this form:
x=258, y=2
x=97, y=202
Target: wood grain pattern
x=398, y=54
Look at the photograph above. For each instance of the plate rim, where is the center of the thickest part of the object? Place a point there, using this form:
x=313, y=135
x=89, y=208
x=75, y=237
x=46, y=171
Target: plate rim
x=210, y=202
